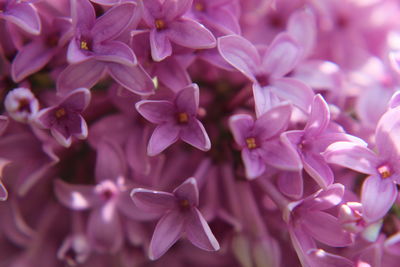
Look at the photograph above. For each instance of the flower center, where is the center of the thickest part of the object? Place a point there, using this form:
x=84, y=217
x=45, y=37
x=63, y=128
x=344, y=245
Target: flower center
x=263, y=79
x=184, y=204
x=251, y=143
x=384, y=171
x=60, y=113
x=160, y=24
x=24, y=105
x=84, y=45
x=183, y=118
x=199, y=6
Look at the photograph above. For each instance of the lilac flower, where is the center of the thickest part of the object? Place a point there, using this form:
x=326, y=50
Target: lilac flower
x=260, y=143
x=379, y=190
x=175, y=120
x=180, y=215
x=21, y=104
x=168, y=24
x=267, y=70
x=64, y=119
x=21, y=13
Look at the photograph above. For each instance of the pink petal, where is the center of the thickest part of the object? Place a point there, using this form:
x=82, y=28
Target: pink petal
x=253, y=164
x=291, y=184
x=241, y=54
x=176, y=9
x=30, y=59
x=75, y=54
x=386, y=136
x=163, y=136
x=3, y=192
x=62, y=135
x=189, y=33
x=282, y=56
x=110, y=161
x=199, y=233
x=113, y=22
x=76, y=197
x=133, y=78
x=277, y=154
x=274, y=121
x=172, y=74
x=194, y=134
x=394, y=101
x=160, y=45
x=187, y=100
x=153, y=201
x=318, y=169
x=104, y=229
x=223, y=20
x=188, y=191
x=77, y=100
x=326, y=228
x=129, y=208
x=25, y=16
x=319, y=257
x=115, y=51
x=241, y=125
x=302, y=27
x=325, y=199
x=264, y=98
x=377, y=197
x=84, y=74
x=352, y=156
x=319, y=118
x=156, y=111
x=300, y=94
x=167, y=232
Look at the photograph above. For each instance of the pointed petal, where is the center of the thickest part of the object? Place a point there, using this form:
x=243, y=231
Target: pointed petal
x=264, y=98
x=277, y=154
x=62, y=135
x=168, y=231
x=76, y=197
x=176, y=9
x=318, y=169
x=3, y=192
x=187, y=100
x=282, y=56
x=133, y=78
x=386, y=136
x=319, y=257
x=194, y=134
x=189, y=33
x=25, y=16
x=377, y=197
x=172, y=74
x=241, y=125
x=30, y=59
x=153, y=201
x=188, y=190
x=160, y=45
x=156, y=111
x=199, y=233
x=84, y=74
x=325, y=199
x=115, y=51
x=326, y=228
x=113, y=22
x=241, y=54
x=273, y=122
x=163, y=136
x=77, y=100
x=291, y=184
x=394, y=101
x=104, y=228
x=75, y=54
x=352, y=156
x=129, y=208
x=110, y=161
x=300, y=94
x=253, y=164
x=319, y=118
x=302, y=27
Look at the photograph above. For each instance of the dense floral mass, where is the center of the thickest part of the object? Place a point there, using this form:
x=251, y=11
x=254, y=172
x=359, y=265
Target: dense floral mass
x=200, y=133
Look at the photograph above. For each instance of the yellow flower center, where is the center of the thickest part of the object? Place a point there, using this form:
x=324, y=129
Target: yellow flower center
x=384, y=171
x=251, y=143
x=84, y=45
x=199, y=7
x=160, y=24
x=60, y=113
x=183, y=117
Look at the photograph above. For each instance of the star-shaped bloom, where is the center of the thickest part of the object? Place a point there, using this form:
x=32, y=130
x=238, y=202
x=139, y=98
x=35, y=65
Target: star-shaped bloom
x=175, y=119
x=379, y=190
x=21, y=13
x=64, y=119
x=180, y=215
x=259, y=141
x=267, y=68
x=168, y=25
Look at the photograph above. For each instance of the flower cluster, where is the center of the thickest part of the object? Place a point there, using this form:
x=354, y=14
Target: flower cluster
x=200, y=133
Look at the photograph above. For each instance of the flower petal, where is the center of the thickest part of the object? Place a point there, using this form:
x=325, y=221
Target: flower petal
x=291, y=184
x=318, y=169
x=241, y=54
x=156, y=111
x=386, y=136
x=163, y=136
x=168, y=231
x=241, y=125
x=273, y=122
x=110, y=161
x=277, y=154
x=3, y=192
x=199, y=233
x=153, y=201
x=25, y=16
x=160, y=45
x=133, y=78
x=189, y=33
x=377, y=197
x=115, y=51
x=319, y=118
x=77, y=100
x=76, y=197
x=187, y=100
x=194, y=134
x=188, y=190
x=253, y=164
x=302, y=27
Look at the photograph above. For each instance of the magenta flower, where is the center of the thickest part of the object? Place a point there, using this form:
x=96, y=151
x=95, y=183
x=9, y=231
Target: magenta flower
x=259, y=141
x=379, y=190
x=21, y=13
x=180, y=215
x=21, y=104
x=168, y=25
x=64, y=120
x=175, y=120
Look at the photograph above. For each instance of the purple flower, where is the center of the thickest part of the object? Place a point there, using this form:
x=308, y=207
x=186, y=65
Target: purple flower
x=379, y=190
x=180, y=215
x=21, y=13
x=259, y=141
x=64, y=119
x=175, y=119
x=21, y=104
x=168, y=25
